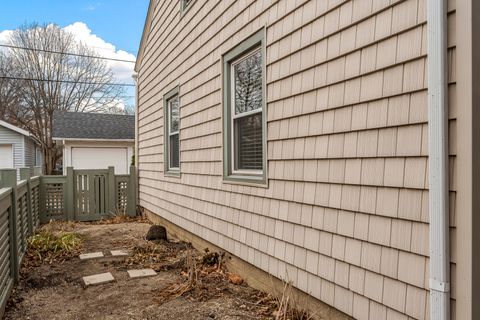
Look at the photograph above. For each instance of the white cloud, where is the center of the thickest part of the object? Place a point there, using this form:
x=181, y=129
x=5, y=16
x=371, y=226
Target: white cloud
x=123, y=70
x=4, y=36
x=82, y=33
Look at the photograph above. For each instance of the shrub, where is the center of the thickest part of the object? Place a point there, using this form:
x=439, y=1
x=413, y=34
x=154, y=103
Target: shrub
x=46, y=244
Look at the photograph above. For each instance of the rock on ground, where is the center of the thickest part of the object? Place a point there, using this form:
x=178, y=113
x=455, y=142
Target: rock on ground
x=157, y=232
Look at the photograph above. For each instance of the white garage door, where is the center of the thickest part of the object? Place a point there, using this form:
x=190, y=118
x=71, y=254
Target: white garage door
x=6, y=156
x=100, y=158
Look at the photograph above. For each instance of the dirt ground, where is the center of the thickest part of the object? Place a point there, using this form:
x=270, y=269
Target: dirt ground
x=55, y=291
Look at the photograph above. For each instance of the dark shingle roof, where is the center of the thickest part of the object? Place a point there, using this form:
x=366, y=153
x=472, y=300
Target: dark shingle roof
x=82, y=125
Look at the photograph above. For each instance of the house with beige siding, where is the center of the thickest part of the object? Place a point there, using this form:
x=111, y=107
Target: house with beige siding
x=330, y=143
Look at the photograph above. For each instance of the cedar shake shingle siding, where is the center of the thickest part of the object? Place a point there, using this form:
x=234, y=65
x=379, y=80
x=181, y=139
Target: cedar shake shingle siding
x=345, y=212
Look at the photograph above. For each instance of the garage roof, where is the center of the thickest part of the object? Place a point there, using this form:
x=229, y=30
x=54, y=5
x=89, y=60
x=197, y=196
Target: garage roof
x=91, y=126
x=14, y=128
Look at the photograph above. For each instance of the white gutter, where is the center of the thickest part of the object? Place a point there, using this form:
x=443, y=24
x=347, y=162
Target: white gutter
x=438, y=160
x=92, y=140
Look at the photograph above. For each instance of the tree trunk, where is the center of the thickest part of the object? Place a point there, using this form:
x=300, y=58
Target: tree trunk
x=49, y=155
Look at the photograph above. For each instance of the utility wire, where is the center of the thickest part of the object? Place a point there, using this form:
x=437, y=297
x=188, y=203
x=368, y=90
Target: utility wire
x=112, y=97
x=67, y=81
x=109, y=97
x=66, y=53
x=105, y=48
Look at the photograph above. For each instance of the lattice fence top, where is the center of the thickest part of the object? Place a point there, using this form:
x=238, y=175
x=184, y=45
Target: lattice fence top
x=54, y=199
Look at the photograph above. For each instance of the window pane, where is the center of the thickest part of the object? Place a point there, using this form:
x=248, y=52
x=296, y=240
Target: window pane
x=174, y=152
x=248, y=143
x=174, y=116
x=248, y=83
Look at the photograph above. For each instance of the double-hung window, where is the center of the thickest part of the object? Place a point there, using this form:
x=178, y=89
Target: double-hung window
x=172, y=132
x=244, y=111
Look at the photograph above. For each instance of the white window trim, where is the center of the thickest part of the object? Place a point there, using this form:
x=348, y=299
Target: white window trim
x=170, y=133
x=167, y=133
x=256, y=178
x=234, y=116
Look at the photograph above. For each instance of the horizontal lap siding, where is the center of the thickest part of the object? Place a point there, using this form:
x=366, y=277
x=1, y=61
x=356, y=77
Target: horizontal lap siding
x=346, y=212
x=29, y=153
x=8, y=136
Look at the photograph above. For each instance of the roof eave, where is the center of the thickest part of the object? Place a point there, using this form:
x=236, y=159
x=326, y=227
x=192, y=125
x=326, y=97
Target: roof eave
x=93, y=139
x=146, y=31
x=14, y=128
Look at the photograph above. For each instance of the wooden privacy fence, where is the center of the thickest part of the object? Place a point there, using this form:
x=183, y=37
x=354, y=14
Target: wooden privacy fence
x=87, y=195
x=19, y=217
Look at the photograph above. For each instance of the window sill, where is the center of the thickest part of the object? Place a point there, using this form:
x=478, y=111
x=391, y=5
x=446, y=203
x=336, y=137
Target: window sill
x=172, y=174
x=251, y=181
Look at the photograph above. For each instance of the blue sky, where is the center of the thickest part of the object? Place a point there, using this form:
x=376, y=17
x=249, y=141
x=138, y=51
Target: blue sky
x=119, y=22
x=112, y=27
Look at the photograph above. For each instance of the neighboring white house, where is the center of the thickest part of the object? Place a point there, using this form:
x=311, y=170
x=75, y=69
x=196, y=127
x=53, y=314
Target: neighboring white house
x=95, y=140
x=17, y=148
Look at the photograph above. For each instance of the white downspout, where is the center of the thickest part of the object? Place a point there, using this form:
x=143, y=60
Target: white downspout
x=135, y=78
x=438, y=160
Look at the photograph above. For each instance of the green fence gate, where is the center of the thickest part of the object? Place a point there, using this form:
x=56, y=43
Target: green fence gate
x=87, y=195
x=91, y=190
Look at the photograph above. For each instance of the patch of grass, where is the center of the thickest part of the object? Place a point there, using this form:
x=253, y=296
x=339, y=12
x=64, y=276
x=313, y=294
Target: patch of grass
x=48, y=245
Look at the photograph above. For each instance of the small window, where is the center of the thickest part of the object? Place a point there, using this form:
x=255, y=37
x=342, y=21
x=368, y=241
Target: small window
x=244, y=110
x=172, y=132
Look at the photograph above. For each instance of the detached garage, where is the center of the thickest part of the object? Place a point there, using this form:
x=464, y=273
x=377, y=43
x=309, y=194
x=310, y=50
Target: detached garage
x=95, y=140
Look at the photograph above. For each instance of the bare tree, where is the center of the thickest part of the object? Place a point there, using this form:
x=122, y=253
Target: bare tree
x=46, y=70
x=8, y=91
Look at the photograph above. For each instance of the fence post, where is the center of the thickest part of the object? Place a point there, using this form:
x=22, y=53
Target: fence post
x=69, y=190
x=37, y=171
x=8, y=179
x=131, y=199
x=112, y=190
x=42, y=202
x=25, y=175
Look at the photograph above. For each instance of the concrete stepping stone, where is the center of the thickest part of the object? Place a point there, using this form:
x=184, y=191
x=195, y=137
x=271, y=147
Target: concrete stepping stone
x=92, y=255
x=119, y=253
x=141, y=273
x=98, y=279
